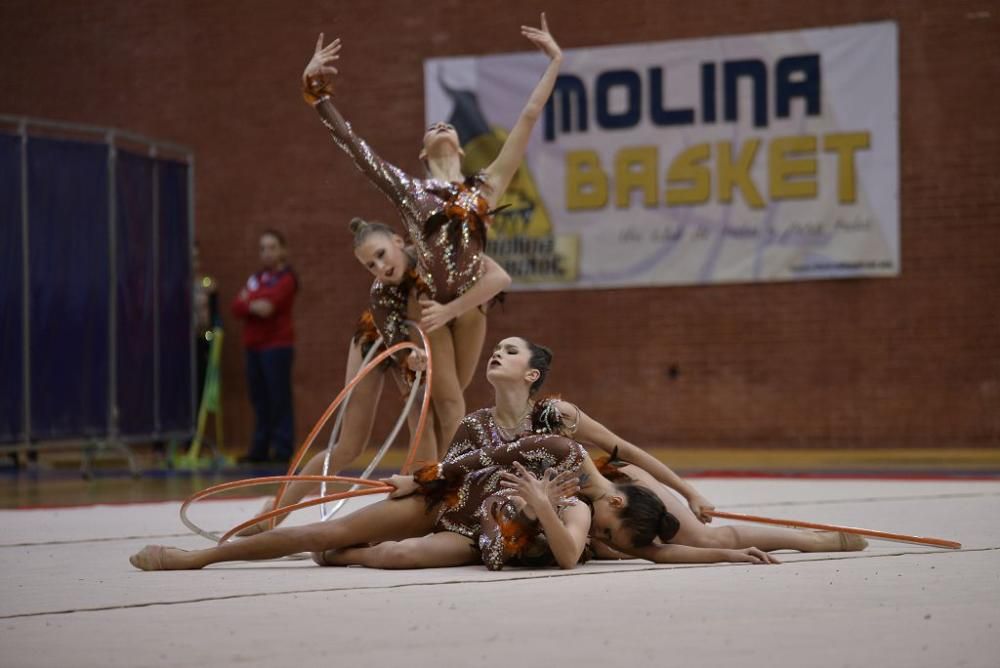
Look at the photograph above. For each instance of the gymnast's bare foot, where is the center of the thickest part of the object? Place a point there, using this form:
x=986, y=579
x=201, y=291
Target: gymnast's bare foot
x=840, y=541
x=851, y=542
x=160, y=558
x=326, y=558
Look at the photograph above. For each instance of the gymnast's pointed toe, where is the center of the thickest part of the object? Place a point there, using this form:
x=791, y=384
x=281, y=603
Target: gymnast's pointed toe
x=850, y=542
x=149, y=558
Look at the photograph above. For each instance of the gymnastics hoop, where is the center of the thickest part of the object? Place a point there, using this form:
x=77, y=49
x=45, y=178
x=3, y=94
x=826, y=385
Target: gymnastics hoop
x=374, y=487
x=386, y=444
x=872, y=533
x=335, y=432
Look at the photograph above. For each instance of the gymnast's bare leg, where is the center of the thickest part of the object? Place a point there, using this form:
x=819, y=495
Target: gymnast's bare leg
x=391, y=519
x=438, y=550
x=356, y=429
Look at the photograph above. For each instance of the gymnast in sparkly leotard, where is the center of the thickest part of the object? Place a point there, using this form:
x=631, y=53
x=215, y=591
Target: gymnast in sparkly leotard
x=436, y=273
x=516, y=369
x=644, y=519
x=446, y=520
x=515, y=512
x=445, y=218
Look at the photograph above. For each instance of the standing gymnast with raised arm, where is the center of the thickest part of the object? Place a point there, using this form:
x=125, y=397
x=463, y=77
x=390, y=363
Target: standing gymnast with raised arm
x=442, y=278
x=445, y=218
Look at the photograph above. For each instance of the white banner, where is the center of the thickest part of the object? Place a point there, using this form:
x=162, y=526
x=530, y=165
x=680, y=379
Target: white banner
x=748, y=158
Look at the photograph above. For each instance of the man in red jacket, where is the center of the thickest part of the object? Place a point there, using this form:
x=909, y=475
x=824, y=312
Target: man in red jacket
x=265, y=306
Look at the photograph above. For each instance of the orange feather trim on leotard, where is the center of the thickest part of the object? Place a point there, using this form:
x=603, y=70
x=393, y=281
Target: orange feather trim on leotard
x=434, y=488
x=315, y=89
x=365, y=332
x=610, y=467
x=516, y=530
x=464, y=206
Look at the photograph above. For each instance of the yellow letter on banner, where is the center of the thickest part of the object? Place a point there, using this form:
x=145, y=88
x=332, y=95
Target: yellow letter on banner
x=687, y=169
x=635, y=168
x=586, y=182
x=845, y=144
x=781, y=167
x=738, y=173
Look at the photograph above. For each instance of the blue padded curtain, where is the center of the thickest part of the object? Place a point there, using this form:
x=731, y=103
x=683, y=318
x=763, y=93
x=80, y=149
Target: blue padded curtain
x=134, y=288
x=11, y=292
x=69, y=302
x=175, y=286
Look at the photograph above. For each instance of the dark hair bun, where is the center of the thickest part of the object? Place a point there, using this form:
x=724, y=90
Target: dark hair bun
x=356, y=224
x=541, y=360
x=645, y=516
x=669, y=526
x=544, y=352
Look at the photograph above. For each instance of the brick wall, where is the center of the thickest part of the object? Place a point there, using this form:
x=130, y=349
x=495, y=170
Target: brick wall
x=912, y=361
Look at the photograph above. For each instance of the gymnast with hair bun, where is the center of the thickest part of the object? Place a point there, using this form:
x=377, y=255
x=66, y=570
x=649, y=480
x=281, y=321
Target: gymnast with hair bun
x=445, y=518
x=515, y=490
x=626, y=476
x=392, y=301
x=444, y=276
x=439, y=275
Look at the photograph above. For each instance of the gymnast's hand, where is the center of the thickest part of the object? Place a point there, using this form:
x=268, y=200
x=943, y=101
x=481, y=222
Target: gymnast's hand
x=701, y=506
x=417, y=360
x=543, y=39
x=318, y=74
x=434, y=315
x=751, y=555
x=551, y=489
x=404, y=484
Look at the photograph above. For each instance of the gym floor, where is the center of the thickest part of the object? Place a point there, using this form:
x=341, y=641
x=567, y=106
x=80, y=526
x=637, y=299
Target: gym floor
x=71, y=597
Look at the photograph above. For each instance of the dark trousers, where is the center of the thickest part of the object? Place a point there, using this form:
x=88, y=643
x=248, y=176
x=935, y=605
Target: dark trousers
x=269, y=375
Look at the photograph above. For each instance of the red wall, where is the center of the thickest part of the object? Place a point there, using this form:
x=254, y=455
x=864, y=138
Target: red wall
x=913, y=361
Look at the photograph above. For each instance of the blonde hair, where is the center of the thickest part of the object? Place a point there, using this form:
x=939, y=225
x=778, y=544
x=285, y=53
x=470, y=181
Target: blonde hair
x=362, y=229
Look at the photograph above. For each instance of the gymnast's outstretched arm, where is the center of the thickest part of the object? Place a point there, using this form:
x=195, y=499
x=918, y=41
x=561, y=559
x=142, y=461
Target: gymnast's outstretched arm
x=669, y=553
x=589, y=431
x=502, y=170
x=317, y=82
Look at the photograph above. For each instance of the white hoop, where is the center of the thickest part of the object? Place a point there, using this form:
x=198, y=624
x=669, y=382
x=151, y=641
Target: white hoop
x=380, y=453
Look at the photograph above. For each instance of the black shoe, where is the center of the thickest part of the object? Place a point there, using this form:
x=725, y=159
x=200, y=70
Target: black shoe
x=251, y=459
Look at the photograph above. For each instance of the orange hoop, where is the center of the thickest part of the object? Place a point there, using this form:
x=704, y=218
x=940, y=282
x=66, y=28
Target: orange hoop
x=374, y=487
x=883, y=535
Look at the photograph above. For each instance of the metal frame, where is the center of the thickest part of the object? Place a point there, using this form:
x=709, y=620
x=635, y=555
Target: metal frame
x=194, y=325
x=156, y=148
x=84, y=128
x=22, y=128
x=157, y=421
x=112, y=428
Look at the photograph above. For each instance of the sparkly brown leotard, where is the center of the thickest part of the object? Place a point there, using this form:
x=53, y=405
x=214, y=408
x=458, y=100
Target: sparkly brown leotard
x=479, y=429
x=386, y=314
x=467, y=483
x=445, y=222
